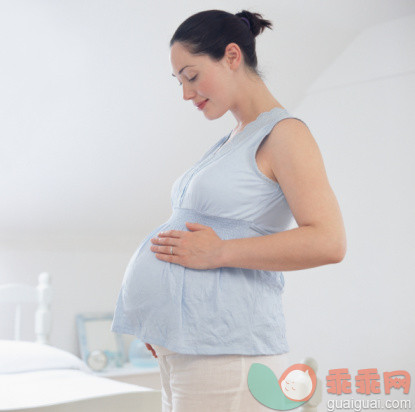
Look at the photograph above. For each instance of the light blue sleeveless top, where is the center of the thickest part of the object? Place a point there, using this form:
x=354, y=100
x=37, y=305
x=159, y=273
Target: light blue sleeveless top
x=227, y=310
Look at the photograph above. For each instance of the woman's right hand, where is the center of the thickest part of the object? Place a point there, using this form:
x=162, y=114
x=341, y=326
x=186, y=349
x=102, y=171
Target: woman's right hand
x=150, y=348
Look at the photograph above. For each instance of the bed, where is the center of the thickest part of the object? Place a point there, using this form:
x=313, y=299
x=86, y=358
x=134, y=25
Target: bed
x=37, y=377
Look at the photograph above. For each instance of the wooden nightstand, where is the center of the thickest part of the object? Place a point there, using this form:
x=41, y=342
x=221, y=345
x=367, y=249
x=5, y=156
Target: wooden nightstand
x=148, y=377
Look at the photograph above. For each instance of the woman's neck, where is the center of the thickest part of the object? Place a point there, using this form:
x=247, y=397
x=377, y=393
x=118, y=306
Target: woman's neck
x=253, y=98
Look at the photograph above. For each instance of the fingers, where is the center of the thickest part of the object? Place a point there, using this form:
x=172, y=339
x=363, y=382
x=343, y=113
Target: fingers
x=164, y=249
x=150, y=348
x=172, y=233
x=165, y=241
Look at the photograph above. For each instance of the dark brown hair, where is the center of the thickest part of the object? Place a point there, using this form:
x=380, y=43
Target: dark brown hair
x=209, y=32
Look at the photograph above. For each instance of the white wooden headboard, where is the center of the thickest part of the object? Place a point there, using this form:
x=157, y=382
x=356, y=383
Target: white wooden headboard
x=21, y=294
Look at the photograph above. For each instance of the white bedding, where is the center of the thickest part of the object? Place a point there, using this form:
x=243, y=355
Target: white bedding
x=24, y=356
x=40, y=378
x=56, y=386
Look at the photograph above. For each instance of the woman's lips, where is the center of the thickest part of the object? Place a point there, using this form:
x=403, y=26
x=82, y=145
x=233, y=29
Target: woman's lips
x=202, y=105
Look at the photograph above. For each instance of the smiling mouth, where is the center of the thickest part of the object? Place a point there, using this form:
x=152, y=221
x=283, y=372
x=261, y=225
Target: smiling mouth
x=201, y=104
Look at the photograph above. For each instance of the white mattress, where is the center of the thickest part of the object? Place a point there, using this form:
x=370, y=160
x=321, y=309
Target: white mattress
x=57, y=386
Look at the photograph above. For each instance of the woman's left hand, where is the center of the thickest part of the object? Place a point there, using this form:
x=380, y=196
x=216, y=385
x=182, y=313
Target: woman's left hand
x=201, y=248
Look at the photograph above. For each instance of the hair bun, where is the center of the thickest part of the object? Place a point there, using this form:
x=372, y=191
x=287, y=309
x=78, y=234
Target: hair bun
x=255, y=21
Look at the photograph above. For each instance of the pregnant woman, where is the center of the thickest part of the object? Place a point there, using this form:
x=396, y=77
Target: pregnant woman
x=204, y=289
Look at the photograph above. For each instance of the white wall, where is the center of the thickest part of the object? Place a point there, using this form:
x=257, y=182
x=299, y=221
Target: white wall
x=360, y=313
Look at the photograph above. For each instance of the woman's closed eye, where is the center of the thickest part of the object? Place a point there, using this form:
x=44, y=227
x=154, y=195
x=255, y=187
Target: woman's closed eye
x=190, y=80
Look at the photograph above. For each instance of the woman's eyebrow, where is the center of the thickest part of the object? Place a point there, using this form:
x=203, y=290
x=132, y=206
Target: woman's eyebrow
x=180, y=72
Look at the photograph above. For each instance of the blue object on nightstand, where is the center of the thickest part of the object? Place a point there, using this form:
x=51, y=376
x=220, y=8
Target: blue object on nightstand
x=140, y=356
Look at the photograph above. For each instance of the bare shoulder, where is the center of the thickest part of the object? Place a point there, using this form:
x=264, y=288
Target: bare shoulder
x=289, y=134
x=292, y=150
x=289, y=140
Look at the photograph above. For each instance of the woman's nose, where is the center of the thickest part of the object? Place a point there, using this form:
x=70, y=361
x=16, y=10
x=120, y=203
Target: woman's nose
x=188, y=93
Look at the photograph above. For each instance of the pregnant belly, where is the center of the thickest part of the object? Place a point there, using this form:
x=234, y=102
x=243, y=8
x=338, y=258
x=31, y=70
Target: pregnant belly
x=143, y=279
x=151, y=284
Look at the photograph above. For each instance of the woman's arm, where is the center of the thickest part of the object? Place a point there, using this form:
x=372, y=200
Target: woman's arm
x=320, y=239
x=300, y=248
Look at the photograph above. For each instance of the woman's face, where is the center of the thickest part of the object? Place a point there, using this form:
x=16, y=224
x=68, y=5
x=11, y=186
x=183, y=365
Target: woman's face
x=201, y=79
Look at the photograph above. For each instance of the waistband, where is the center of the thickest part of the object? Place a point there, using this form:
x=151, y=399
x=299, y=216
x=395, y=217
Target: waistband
x=224, y=227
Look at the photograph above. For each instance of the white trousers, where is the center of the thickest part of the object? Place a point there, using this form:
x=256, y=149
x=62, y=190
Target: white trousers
x=206, y=383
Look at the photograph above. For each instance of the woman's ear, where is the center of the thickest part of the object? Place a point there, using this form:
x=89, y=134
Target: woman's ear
x=233, y=55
